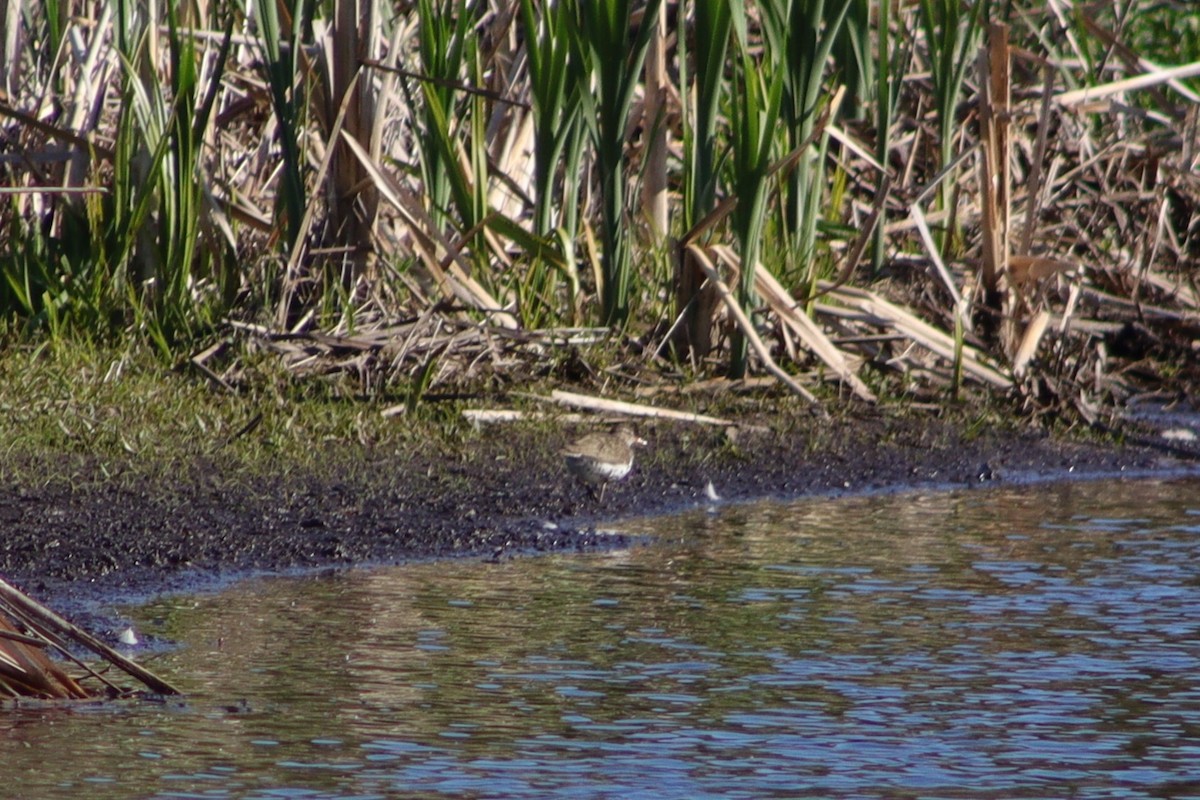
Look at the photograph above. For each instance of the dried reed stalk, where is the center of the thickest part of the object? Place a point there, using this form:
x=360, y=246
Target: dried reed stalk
x=51, y=626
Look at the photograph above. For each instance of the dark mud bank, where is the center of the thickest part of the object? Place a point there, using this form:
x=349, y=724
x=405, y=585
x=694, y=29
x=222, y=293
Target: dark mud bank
x=502, y=493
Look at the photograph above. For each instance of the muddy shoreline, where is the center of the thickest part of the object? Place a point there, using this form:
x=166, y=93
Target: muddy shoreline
x=500, y=494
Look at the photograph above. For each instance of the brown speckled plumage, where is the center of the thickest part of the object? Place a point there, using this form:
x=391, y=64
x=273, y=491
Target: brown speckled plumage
x=600, y=458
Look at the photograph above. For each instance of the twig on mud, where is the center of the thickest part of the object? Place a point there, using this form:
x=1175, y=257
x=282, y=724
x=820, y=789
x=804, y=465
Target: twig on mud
x=573, y=400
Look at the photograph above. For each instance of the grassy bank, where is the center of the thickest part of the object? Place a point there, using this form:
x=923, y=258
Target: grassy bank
x=88, y=415
x=292, y=208
x=109, y=413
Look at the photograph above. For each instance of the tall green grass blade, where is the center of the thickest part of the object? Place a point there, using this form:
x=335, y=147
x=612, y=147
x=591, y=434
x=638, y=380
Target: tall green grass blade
x=447, y=46
x=803, y=34
x=953, y=30
x=714, y=21
x=891, y=58
x=554, y=82
x=854, y=56
x=756, y=102
x=282, y=73
x=600, y=35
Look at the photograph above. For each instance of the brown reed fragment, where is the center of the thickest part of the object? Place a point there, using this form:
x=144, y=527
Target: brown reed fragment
x=25, y=669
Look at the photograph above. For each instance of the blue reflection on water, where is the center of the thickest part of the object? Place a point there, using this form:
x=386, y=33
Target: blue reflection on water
x=1005, y=644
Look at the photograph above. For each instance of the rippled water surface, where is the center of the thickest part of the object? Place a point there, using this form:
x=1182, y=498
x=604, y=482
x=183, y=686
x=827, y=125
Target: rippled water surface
x=1035, y=643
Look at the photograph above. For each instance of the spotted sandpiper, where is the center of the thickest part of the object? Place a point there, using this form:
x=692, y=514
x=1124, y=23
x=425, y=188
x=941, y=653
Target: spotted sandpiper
x=599, y=458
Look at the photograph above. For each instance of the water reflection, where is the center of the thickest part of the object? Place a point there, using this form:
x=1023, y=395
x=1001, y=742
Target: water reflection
x=997, y=643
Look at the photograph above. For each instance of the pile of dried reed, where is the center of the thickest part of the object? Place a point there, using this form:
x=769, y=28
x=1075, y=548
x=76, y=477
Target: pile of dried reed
x=907, y=198
x=28, y=630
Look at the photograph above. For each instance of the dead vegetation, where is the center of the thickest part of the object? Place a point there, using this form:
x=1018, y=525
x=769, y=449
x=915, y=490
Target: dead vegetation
x=359, y=213
x=30, y=633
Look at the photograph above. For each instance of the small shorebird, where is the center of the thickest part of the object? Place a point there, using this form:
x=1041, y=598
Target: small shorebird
x=600, y=458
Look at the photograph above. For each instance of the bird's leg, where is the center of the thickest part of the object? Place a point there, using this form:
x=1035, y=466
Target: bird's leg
x=603, y=486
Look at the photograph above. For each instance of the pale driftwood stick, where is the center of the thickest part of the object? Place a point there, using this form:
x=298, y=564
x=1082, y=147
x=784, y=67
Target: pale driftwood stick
x=249, y=327
x=747, y=327
x=631, y=409
x=483, y=416
x=1144, y=81
x=67, y=630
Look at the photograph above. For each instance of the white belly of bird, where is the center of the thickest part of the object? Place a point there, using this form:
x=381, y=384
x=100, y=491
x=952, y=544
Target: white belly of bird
x=597, y=472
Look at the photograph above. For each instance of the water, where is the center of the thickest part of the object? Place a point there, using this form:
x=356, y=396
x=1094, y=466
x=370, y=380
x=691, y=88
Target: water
x=1002, y=643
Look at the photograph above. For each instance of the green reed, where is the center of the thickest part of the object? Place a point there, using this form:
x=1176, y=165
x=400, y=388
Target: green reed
x=755, y=112
x=612, y=59
x=953, y=30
